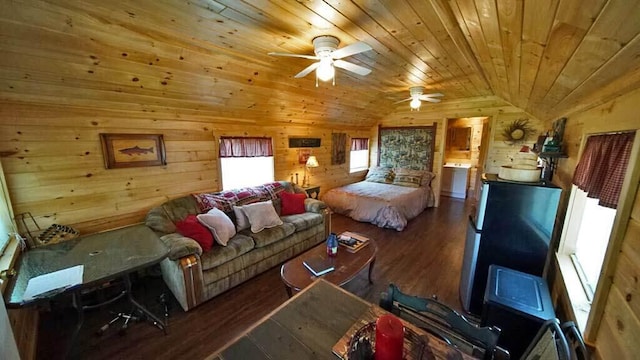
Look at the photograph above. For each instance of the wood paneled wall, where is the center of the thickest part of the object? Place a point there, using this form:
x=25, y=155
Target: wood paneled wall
x=499, y=111
x=616, y=337
x=56, y=169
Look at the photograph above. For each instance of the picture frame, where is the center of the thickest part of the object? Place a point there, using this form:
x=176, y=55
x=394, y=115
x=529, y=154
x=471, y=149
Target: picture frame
x=133, y=150
x=303, y=156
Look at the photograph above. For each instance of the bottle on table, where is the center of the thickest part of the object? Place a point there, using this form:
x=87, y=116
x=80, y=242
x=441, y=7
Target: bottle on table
x=332, y=245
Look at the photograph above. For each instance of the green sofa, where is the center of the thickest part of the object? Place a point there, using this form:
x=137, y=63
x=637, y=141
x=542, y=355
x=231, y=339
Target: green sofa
x=194, y=276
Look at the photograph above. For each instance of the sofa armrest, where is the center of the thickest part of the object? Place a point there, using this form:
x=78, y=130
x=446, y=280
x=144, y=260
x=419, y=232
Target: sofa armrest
x=180, y=246
x=313, y=205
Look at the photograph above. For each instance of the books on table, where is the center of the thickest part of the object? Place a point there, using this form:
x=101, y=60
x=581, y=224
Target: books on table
x=352, y=242
x=319, y=265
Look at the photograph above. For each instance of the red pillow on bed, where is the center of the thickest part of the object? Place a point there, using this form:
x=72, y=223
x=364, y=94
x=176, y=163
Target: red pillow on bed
x=191, y=227
x=292, y=203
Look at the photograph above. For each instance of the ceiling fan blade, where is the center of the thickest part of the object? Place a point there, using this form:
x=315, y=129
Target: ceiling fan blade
x=429, y=99
x=360, y=70
x=312, y=57
x=307, y=70
x=349, y=50
x=398, y=102
x=433, y=95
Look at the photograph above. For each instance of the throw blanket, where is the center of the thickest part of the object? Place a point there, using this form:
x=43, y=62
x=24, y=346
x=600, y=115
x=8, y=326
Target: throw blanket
x=384, y=205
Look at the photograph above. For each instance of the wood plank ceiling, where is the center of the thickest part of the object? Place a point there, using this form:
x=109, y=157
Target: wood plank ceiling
x=206, y=59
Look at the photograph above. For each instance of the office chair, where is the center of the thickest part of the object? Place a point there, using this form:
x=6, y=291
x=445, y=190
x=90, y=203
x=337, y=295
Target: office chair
x=445, y=323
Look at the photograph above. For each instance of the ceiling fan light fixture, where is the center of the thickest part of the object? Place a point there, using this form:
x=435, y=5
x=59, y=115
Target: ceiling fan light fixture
x=415, y=103
x=325, y=70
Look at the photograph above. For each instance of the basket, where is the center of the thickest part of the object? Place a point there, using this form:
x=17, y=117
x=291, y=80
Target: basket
x=363, y=344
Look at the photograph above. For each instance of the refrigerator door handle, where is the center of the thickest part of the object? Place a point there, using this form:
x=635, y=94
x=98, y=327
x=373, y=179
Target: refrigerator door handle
x=473, y=223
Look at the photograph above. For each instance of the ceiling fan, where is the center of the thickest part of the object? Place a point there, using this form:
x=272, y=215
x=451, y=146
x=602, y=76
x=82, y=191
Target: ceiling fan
x=417, y=97
x=326, y=51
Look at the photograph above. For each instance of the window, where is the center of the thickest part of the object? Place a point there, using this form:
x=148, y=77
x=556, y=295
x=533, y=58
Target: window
x=591, y=212
x=7, y=227
x=590, y=226
x=8, y=232
x=359, y=155
x=245, y=161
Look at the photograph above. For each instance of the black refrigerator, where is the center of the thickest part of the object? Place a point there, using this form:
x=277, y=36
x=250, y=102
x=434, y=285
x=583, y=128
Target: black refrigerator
x=511, y=227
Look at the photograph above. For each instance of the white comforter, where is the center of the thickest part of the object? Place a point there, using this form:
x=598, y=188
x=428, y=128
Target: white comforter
x=385, y=205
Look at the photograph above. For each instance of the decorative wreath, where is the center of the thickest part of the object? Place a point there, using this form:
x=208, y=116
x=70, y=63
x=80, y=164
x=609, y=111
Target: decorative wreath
x=517, y=132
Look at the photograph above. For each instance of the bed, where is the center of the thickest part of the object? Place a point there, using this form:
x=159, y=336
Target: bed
x=398, y=189
x=384, y=205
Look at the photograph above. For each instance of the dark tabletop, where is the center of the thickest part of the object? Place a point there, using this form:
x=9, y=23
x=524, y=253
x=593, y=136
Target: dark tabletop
x=105, y=256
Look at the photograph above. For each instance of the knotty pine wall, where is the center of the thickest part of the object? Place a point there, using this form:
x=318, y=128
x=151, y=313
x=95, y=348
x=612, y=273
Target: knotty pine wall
x=499, y=111
x=55, y=169
x=619, y=330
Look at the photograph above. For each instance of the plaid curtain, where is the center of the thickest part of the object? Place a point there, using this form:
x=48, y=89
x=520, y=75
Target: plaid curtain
x=359, y=144
x=245, y=146
x=601, y=169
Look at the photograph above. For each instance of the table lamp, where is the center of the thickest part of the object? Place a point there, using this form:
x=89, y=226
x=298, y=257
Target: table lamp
x=312, y=162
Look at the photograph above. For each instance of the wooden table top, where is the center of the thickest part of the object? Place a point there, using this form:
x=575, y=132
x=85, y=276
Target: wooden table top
x=347, y=266
x=308, y=325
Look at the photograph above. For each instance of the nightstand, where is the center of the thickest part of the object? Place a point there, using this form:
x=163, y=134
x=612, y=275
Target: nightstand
x=312, y=191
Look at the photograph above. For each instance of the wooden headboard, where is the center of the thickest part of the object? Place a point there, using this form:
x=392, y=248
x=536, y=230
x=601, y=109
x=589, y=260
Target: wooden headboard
x=408, y=146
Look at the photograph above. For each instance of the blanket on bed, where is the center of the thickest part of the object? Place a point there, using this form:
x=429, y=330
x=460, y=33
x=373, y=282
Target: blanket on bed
x=384, y=205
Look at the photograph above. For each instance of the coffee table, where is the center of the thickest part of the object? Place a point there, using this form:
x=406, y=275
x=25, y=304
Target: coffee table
x=347, y=265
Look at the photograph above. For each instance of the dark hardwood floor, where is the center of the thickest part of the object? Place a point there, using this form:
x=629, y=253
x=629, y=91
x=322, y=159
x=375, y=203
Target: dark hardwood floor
x=424, y=259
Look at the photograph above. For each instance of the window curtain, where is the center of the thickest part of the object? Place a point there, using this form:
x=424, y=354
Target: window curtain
x=245, y=147
x=602, y=167
x=359, y=144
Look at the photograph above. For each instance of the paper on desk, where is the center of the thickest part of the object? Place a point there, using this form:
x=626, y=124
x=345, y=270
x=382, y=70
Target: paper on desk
x=57, y=280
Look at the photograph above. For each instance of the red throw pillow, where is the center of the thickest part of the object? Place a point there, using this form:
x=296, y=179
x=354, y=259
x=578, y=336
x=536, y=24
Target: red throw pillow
x=292, y=203
x=191, y=227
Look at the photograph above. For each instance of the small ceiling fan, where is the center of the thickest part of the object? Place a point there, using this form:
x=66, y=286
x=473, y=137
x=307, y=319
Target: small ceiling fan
x=329, y=56
x=417, y=97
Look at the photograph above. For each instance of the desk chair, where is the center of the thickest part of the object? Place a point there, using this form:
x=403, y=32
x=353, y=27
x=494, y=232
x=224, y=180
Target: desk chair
x=445, y=323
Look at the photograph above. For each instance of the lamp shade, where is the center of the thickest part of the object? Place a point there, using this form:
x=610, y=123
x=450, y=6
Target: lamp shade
x=312, y=162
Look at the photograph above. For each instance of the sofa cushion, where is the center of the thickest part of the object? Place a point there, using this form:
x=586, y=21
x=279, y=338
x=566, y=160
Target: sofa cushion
x=191, y=227
x=261, y=216
x=292, y=203
x=303, y=221
x=219, y=224
x=237, y=246
x=271, y=235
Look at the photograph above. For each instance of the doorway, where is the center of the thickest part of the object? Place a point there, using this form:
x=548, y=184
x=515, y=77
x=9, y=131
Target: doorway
x=465, y=153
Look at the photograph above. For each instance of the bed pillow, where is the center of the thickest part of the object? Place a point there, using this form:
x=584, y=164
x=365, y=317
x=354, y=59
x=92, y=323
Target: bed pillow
x=292, y=204
x=261, y=215
x=427, y=176
x=406, y=177
x=219, y=224
x=191, y=227
x=380, y=175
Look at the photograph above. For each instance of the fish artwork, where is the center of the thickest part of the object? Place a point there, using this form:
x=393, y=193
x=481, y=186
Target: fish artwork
x=136, y=150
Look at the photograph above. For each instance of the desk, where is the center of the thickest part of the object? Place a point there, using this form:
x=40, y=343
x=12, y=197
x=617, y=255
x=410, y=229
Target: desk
x=308, y=325
x=105, y=256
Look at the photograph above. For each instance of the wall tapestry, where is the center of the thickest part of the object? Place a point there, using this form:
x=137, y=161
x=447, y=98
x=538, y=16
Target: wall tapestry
x=338, y=148
x=132, y=150
x=408, y=147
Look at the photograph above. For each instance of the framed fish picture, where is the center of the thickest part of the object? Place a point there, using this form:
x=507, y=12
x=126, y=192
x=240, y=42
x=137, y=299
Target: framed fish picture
x=132, y=150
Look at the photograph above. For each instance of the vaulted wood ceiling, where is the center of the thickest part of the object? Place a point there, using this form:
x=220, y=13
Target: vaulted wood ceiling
x=207, y=60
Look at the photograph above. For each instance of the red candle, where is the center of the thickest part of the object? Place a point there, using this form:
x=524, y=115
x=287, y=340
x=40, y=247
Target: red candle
x=389, y=338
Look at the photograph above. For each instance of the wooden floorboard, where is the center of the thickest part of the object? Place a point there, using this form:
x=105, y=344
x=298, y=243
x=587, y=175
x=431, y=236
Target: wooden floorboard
x=424, y=259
